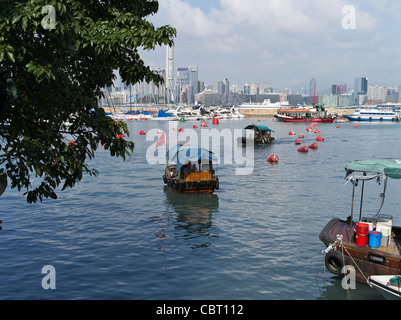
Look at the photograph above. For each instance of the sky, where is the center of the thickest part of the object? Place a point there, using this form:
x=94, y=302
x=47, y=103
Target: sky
x=287, y=42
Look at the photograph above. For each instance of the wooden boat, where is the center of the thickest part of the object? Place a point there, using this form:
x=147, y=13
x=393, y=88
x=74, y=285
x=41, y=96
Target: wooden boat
x=260, y=135
x=315, y=114
x=340, y=236
x=389, y=286
x=192, y=171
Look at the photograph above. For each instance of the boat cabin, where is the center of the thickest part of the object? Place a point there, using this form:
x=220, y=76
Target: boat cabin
x=190, y=169
x=259, y=134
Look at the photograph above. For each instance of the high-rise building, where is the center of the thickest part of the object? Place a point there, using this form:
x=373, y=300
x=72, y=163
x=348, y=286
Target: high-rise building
x=193, y=79
x=312, y=85
x=361, y=85
x=170, y=73
x=361, y=90
x=338, y=88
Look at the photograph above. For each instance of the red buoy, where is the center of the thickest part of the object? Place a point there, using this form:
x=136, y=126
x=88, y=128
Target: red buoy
x=297, y=141
x=356, y=126
x=215, y=121
x=309, y=129
x=301, y=135
x=338, y=126
x=317, y=131
x=319, y=139
x=203, y=124
x=291, y=133
x=141, y=133
x=313, y=146
x=180, y=129
x=273, y=158
x=303, y=149
x=194, y=126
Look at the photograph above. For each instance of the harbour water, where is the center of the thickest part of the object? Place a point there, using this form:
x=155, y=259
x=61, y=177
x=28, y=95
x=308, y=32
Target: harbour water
x=123, y=235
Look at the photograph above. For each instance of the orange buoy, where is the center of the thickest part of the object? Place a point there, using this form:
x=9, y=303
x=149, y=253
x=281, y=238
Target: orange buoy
x=291, y=133
x=273, y=158
x=313, y=146
x=297, y=141
x=356, y=126
x=319, y=139
x=194, y=126
x=338, y=126
x=303, y=149
x=141, y=133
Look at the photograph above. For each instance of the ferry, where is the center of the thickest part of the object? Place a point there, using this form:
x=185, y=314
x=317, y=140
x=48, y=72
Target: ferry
x=374, y=114
x=316, y=114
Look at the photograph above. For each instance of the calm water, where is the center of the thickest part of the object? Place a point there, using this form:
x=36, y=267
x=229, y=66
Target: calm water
x=124, y=236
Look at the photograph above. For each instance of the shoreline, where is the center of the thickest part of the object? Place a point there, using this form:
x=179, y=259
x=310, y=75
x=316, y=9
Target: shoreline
x=245, y=112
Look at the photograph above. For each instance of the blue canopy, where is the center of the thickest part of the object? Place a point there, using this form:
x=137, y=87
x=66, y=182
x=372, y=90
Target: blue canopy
x=163, y=114
x=183, y=154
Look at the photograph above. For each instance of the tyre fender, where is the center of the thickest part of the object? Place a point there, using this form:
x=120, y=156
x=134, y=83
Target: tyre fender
x=335, y=261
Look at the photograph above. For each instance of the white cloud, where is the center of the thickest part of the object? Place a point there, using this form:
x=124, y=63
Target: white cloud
x=280, y=40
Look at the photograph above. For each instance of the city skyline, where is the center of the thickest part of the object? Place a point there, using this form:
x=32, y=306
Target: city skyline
x=285, y=42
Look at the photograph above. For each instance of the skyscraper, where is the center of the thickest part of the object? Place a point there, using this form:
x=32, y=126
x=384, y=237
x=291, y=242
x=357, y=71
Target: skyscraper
x=312, y=87
x=361, y=85
x=170, y=73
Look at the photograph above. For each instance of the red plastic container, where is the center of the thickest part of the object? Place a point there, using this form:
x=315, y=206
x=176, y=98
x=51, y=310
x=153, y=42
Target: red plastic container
x=361, y=234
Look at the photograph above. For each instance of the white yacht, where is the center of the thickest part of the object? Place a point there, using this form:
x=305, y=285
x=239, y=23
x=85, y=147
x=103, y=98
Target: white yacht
x=266, y=104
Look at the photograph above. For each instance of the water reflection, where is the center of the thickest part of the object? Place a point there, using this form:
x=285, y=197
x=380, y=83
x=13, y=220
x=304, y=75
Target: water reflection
x=193, y=216
x=332, y=289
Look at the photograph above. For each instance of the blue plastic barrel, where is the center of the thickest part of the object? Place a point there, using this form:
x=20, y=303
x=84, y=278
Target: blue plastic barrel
x=374, y=239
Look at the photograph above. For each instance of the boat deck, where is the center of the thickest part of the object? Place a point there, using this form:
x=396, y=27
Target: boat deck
x=347, y=231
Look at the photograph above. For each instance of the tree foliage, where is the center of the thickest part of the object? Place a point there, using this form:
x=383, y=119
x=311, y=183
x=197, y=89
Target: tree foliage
x=60, y=71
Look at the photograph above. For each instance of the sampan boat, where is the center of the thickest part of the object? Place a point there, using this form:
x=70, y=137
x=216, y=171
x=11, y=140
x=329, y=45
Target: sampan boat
x=349, y=242
x=259, y=135
x=192, y=170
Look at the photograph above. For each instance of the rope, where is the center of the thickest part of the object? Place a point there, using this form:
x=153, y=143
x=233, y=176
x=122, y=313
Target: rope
x=339, y=240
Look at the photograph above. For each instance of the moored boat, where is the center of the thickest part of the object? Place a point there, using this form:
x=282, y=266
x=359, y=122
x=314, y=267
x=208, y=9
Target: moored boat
x=346, y=240
x=316, y=114
x=190, y=169
x=374, y=114
x=258, y=134
x=389, y=286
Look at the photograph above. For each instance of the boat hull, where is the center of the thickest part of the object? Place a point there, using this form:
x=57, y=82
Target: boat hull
x=369, y=261
x=319, y=120
x=383, y=286
x=184, y=186
x=376, y=119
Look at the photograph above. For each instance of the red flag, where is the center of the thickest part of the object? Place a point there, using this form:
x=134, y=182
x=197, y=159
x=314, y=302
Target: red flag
x=161, y=140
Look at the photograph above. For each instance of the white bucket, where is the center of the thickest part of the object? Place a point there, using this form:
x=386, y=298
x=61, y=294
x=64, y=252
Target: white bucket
x=386, y=232
x=384, y=229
